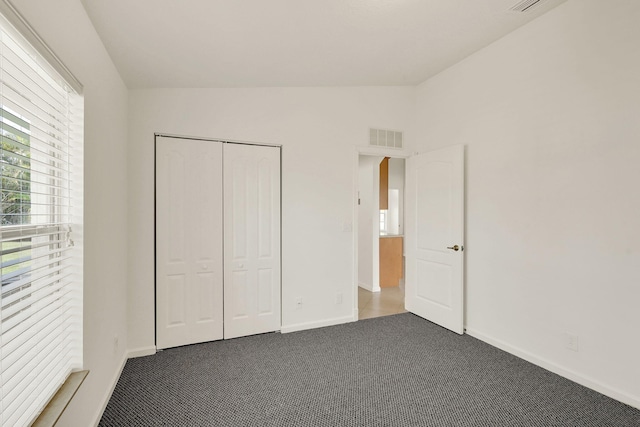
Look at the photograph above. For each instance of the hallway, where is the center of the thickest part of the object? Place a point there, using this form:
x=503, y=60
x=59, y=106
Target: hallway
x=384, y=303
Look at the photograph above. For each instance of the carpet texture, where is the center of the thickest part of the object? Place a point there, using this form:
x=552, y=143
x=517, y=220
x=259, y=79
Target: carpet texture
x=397, y=370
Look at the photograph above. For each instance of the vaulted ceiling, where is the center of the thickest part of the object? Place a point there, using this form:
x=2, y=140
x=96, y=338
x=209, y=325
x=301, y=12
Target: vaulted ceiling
x=250, y=43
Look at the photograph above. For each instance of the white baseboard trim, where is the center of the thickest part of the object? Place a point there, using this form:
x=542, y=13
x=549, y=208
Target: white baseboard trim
x=369, y=288
x=557, y=369
x=109, y=391
x=317, y=324
x=141, y=352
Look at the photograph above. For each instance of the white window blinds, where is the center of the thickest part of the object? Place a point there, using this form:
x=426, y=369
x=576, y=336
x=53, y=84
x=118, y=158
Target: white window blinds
x=41, y=159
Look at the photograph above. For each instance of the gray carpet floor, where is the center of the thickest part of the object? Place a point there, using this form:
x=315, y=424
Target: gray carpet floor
x=390, y=371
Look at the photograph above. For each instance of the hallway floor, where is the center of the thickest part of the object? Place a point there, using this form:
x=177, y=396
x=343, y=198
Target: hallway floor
x=384, y=303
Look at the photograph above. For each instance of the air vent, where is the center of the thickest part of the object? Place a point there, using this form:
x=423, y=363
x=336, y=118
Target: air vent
x=526, y=5
x=385, y=138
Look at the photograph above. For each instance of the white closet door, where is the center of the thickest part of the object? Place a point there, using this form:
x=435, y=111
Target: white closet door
x=188, y=241
x=251, y=239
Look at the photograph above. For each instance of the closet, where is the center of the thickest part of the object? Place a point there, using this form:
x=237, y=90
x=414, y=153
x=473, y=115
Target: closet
x=217, y=231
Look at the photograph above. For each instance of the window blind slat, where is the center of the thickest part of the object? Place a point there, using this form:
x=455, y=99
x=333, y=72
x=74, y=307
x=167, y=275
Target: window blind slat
x=26, y=244
x=33, y=74
x=56, y=198
x=8, y=318
x=12, y=128
x=35, y=322
x=43, y=146
x=42, y=176
x=36, y=205
x=26, y=296
x=58, y=325
x=17, y=65
x=28, y=350
x=19, y=103
x=28, y=293
x=37, y=74
x=38, y=118
x=19, y=399
x=16, y=237
x=45, y=180
x=24, y=318
x=38, y=165
x=30, y=93
x=21, y=272
x=10, y=141
x=58, y=332
x=14, y=232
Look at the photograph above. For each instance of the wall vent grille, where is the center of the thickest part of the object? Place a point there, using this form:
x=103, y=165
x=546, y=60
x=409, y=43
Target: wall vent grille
x=526, y=5
x=385, y=138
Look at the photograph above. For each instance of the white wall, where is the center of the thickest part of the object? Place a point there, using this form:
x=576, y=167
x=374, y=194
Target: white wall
x=66, y=28
x=369, y=222
x=318, y=129
x=550, y=115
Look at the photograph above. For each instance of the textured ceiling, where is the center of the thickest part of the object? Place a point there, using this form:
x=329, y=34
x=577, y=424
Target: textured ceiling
x=249, y=43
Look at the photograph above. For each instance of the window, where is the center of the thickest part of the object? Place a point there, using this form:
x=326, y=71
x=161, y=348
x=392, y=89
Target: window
x=40, y=229
x=383, y=220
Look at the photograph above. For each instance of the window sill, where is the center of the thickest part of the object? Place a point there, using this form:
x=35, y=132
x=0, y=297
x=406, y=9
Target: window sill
x=58, y=403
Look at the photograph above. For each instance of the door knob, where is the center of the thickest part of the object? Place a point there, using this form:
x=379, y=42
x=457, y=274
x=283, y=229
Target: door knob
x=454, y=247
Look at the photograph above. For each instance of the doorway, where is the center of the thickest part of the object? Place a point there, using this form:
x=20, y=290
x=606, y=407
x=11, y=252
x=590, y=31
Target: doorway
x=380, y=236
x=433, y=244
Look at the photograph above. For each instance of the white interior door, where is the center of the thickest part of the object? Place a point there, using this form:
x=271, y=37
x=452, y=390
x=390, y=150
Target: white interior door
x=188, y=241
x=251, y=239
x=434, y=233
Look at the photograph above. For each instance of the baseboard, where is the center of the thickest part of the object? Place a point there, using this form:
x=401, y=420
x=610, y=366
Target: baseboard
x=318, y=324
x=141, y=352
x=557, y=369
x=369, y=288
x=109, y=392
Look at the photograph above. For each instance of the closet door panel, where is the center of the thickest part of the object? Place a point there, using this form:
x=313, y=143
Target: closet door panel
x=252, y=239
x=189, y=264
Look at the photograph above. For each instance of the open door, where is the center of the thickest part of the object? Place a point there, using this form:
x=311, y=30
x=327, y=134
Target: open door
x=434, y=230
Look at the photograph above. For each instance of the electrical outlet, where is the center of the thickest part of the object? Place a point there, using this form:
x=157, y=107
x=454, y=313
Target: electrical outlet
x=116, y=342
x=299, y=302
x=571, y=342
x=339, y=298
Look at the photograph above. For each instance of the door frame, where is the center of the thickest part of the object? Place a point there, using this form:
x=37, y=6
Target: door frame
x=365, y=151
x=157, y=135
